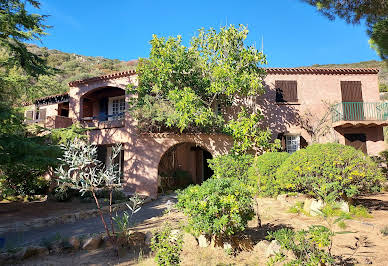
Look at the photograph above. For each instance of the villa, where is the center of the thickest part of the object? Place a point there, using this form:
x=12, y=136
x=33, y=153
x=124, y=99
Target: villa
x=300, y=106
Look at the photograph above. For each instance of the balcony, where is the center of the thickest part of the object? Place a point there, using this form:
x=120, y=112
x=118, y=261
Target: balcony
x=55, y=121
x=104, y=121
x=360, y=114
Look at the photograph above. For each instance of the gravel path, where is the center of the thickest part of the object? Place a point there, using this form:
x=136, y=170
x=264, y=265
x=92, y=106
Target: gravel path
x=87, y=226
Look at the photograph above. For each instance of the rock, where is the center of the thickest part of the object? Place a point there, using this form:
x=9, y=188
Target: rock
x=92, y=243
x=203, y=241
x=344, y=206
x=137, y=239
x=31, y=251
x=261, y=246
x=282, y=197
x=273, y=248
x=148, y=237
x=316, y=207
x=307, y=204
x=227, y=245
x=74, y=242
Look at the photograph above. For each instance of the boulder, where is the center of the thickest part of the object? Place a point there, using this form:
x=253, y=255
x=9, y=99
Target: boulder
x=316, y=207
x=227, y=245
x=344, y=206
x=74, y=242
x=313, y=207
x=31, y=251
x=92, y=243
x=273, y=248
x=203, y=241
x=261, y=246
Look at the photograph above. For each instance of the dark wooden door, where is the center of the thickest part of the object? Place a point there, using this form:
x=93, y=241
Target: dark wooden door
x=353, y=108
x=357, y=141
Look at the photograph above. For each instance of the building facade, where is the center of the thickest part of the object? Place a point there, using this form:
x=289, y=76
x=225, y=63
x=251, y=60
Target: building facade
x=300, y=106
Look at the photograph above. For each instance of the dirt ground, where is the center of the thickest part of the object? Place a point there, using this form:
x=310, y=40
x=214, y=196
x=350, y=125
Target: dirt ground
x=23, y=211
x=274, y=215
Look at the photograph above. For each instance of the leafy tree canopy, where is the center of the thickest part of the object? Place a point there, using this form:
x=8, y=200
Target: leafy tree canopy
x=192, y=88
x=16, y=27
x=375, y=13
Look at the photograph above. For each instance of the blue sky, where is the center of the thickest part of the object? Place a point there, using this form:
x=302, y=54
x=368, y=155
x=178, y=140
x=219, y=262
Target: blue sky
x=294, y=33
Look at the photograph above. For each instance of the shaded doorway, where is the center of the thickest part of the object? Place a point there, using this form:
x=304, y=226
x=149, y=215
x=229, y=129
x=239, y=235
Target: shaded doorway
x=357, y=141
x=182, y=165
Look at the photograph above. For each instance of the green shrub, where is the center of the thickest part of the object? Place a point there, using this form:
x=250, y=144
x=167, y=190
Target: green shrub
x=309, y=247
x=231, y=165
x=219, y=207
x=329, y=172
x=263, y=172
x=167, y=246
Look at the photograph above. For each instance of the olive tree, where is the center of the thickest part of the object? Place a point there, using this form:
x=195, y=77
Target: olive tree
x=81, y=170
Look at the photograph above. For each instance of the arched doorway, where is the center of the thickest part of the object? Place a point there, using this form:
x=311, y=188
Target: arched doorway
x=183, y=164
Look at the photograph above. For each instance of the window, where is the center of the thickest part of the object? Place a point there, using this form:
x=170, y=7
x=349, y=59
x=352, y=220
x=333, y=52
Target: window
x=103, y=154
x=292, y=143
x=116, y=108
x=286, y=91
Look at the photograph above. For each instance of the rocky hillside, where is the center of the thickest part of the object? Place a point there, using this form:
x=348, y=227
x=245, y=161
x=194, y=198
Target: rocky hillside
x=69, y=67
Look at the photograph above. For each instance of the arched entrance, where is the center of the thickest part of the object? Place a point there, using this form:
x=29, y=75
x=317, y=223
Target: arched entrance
x=183, y=164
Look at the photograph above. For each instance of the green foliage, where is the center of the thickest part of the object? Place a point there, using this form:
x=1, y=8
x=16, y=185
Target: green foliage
x=220, y=206
x=231, y=166
x=329, y=172
x=359, y=212
x=297, y=208
x=64, y=135
x=180, y=86
x=263, y=172
x=247, y=134
x=310, y=247
x=24, y=158
x=167, y=245
x=17, y=26
x=124, y=222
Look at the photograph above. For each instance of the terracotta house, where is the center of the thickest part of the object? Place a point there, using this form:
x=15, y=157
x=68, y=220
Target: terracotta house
x=300, y=106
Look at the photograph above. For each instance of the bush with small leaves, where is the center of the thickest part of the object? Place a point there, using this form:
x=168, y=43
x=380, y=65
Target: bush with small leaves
x=329, y=172
x=263, y=172
x=167, y=245
x=220, y=207
x=231, y=165
x=310, y=247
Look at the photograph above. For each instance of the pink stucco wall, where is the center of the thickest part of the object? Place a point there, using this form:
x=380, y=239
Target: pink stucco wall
x=142, y=152
x=316, y=92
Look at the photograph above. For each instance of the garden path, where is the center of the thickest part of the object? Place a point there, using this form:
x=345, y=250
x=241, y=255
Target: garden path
x=81, y=227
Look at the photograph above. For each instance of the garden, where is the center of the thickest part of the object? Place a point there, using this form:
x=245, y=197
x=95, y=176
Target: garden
x=322, y=205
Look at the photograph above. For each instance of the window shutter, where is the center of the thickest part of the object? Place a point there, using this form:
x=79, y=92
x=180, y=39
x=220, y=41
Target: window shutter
x=282, y=139
x=303, y=142
x=42, y=114
x=30, y=115
x=286, y=91
x=351, y=91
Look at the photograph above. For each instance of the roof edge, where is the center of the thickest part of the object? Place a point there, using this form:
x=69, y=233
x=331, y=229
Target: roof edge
x=321, y=71
x=103, y=77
